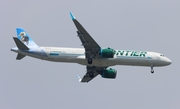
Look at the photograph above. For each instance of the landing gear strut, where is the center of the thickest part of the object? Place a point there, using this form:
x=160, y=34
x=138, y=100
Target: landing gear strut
x=89, y=60
x=152, y=70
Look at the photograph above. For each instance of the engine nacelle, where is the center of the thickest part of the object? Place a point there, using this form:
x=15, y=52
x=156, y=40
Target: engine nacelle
x=107, y=53
x=109, y=73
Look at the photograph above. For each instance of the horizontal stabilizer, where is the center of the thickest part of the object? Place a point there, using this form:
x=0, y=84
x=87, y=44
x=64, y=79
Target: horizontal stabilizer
x=20, y=56
x=19, y=44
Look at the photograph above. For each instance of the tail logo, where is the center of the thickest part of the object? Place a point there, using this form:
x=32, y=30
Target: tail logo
x=24, y=37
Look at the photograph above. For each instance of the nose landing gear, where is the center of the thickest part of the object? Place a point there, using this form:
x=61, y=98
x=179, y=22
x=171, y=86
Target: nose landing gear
x=152, y=70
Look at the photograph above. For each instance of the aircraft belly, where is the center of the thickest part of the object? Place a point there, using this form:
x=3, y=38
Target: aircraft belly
x=97, y=62
x=133, y=61
x=138, y=62
x=71, y=59
x=101, y=62
x=31, y=55
x=107, y=62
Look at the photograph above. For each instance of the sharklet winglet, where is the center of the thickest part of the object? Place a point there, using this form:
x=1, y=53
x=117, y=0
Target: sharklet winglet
x=79, y=78
x=72, y=16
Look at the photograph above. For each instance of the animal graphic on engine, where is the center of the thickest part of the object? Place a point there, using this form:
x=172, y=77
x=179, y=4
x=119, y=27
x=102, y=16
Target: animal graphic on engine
x=24, y=38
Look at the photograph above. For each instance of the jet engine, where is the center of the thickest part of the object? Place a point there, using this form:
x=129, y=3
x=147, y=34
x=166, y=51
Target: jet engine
x=107, y=53
x=109, y=73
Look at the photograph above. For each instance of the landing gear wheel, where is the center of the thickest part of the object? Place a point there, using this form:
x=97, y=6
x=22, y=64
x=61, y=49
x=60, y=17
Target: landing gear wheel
x=152, y=70
x=89, y=60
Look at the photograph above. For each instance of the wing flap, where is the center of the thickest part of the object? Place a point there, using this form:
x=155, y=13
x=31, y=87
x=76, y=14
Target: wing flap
x=92, y=72
x=88, y=42
x=88, y=78
x=84, y=36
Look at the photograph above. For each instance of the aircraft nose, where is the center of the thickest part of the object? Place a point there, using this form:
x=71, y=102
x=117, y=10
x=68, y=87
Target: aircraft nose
x=168, y=61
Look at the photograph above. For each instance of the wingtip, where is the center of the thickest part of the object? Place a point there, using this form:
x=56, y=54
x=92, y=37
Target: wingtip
x=79, y=78
x=72, y=16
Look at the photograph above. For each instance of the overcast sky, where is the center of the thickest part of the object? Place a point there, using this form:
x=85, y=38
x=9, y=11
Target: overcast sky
x=148, y=25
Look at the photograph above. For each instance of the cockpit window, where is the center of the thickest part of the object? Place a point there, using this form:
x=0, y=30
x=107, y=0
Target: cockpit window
x=162, y=55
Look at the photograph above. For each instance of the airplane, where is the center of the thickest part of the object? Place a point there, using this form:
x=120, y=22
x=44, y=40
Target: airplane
x=93, y=56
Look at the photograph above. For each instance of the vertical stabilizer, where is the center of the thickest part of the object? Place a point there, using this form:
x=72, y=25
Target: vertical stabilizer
x=25, y=38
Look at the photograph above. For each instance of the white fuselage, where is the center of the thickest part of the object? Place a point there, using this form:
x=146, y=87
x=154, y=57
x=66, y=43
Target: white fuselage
x=77, y=55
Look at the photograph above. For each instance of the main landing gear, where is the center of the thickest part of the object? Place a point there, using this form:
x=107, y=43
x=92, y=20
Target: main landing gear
x=89, y=60
x=152, y=70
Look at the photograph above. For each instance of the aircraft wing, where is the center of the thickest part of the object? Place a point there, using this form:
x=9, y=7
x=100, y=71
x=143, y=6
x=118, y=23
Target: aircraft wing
x=90, y=45
x=87, y=78
x=92, y=72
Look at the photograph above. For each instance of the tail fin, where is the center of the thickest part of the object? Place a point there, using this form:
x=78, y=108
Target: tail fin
x=25, y=38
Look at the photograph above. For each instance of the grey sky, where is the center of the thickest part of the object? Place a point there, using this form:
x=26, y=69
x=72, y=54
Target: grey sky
x=151, y=25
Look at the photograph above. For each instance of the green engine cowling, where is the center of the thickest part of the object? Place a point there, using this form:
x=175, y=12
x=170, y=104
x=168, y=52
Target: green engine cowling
x=107, y=53
x=109, y=73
